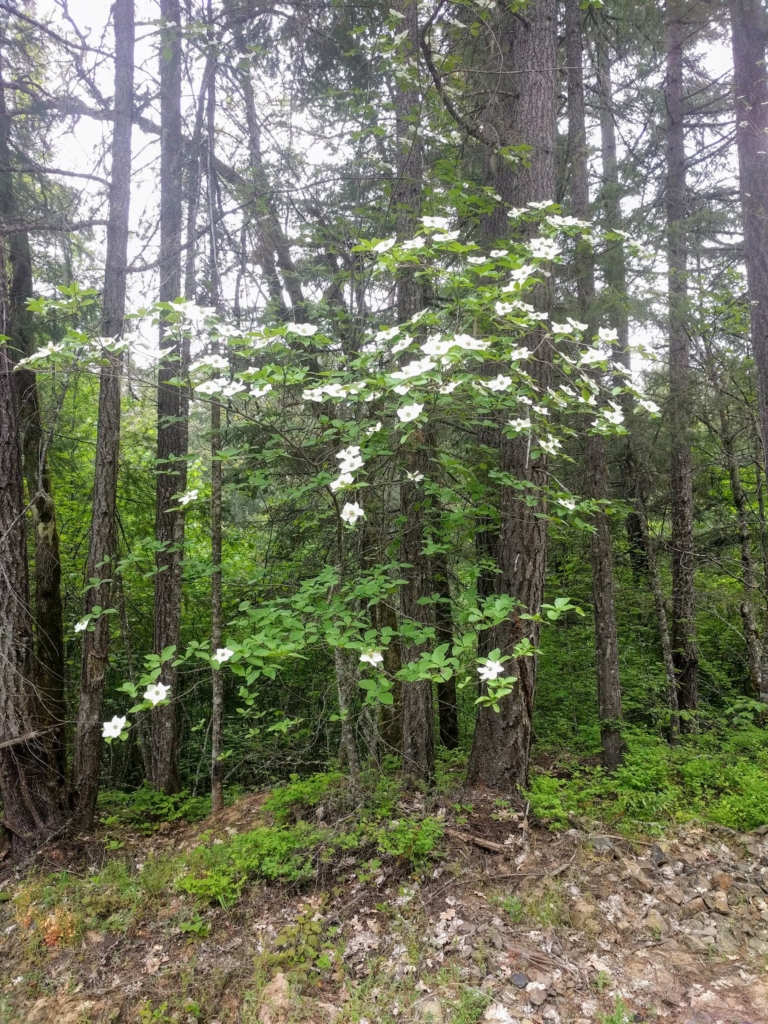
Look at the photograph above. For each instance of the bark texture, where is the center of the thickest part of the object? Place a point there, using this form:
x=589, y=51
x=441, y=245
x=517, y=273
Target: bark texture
x=31, y=789
x=172, y=408
x=749, y=25
x=48, y=625
x=418, y=737
x=502, y=740
x=683, y=565
x=103, y=540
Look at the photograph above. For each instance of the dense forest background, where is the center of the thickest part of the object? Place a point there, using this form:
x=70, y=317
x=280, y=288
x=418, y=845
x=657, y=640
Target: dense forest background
x=384, y=387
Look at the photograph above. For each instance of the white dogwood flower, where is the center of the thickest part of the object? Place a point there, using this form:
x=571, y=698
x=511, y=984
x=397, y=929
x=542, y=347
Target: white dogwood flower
x=408, y=413
x=352, y=512
x=111, y=730
x=156, y=692
x=372, y=657
x=305, y=330
x=223, y=654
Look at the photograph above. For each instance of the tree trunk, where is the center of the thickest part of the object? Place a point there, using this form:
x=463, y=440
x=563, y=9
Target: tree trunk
x=103, y=541
x=614, y=294
x=502, y=740
x=661, y=614
x=683, y=594
x=748, y=34
x=447, y=709
x=747, y=609
x=217, y=677
x=49, y=626
x=31, y=789
x=600, y=547
x=418, y=706
x=172, y=408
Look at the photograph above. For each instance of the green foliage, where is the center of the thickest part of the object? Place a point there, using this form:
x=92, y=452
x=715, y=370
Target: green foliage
x=470, y=1006
x=286, y=801
x=218, y=872
x=308, y=946
x=709, y=777
x=620, y=1014
x=145, y=808
x=413, y=841
x=195, y=926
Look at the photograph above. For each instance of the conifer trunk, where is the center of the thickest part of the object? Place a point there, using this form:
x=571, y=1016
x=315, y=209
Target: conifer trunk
x=683, y=594
x=172, y=409
x=502, y=740
x=749, y=26
x=33, y=797
x=103, y=540
x=601, y=544
x=48, y=624
x=418, y=736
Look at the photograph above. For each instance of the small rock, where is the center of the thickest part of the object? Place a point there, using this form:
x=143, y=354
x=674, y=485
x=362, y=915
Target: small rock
x=634, y=871
x=604, y=846
x=658, y=856
x=550, y=1014
x=431, y=1010
x=536, y=992
x=717, y=902
x=655, y=922
x=519, y=980
x=275, y=1001
x=723, y=881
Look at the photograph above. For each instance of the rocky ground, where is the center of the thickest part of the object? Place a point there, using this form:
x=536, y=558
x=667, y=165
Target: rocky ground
x=514, y=924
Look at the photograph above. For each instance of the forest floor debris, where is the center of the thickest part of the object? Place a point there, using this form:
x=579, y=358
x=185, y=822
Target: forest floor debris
x=559, y=928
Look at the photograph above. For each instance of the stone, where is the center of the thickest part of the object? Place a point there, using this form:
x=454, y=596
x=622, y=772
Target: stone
x=723, y=880
x=635, y=872
x=275, y=1001
x=550, y=1014
x=655, y=922
x=692, y=907
x=674, y=895
x=431, y=1010
x=658, y=856
x=519, y=980
x=604, y=846
x=695, y=944
x=536, y=992
x=717, y=901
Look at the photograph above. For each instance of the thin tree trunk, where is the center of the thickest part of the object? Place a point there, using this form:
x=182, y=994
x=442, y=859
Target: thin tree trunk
x=614, y=294
x=345, y=682
x=31, y=789
x=683, y=594
x=502, y=740
x=49, y=626
x=661, y=614
x=217, y=677
x=172, y=409
x=447, y=709
x=103, y=541
x=601, y=546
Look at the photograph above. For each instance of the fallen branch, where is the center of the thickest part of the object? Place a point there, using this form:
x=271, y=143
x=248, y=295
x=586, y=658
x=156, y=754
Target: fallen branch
x=486, y=844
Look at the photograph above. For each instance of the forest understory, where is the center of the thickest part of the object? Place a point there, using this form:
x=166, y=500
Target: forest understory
x=383, y=532
x=451, y=909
